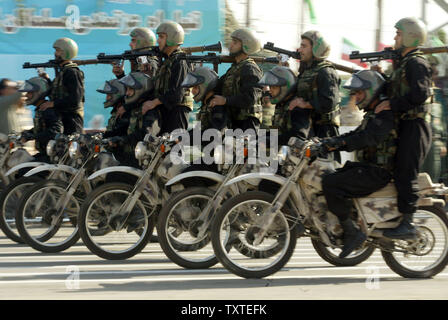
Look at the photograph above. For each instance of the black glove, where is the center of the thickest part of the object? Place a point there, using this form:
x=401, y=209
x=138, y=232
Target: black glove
x=333, y=143
x=27, y=135
x=119, y=141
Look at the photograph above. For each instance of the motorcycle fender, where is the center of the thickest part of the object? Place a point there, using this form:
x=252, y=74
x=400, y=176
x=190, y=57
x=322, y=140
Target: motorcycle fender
x=125, y=169
x=24, y=165
x=216, y=177
x=52, y=167
x=258, y=176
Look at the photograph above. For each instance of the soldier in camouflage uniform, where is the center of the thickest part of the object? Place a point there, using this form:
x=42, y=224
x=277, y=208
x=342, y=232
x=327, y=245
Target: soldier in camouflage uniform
x=282, y=84
x=174, y=101
x=139, y=88
x=317, y=95
x=238, y=89
x=410, y=92
x=202, y=82
x=67, y=94
x=141, y=39
x=115, y=92
x=375, y=141
x=46, y=123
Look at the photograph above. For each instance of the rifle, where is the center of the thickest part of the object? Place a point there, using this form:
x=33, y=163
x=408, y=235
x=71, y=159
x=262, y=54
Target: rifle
x=154, y=51
x=216, y=60
x=390, y=54
x=55, y=65
x=296, y=55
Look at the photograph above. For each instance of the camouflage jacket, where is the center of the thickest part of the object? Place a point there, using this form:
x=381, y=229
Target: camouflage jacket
x=410, y=86
x=239, y=85
x=375, y=140
x=67, y=91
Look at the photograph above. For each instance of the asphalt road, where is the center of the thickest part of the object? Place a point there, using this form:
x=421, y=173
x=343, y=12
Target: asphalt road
x=78, y=274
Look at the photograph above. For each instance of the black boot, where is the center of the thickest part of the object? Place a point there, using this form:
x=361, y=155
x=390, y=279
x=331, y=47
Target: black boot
x=353, y=237
x=405, y=231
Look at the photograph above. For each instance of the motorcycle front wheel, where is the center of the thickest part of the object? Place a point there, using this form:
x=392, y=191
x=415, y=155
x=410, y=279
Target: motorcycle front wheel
x=238, y=222
x=108, y=233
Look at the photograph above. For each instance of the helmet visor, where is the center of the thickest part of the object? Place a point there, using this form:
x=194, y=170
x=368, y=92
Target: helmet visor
x=107, y=88
x=270, y=79
x=356, y=83
x=28, y=87
x=192, y=80
x=131, y=82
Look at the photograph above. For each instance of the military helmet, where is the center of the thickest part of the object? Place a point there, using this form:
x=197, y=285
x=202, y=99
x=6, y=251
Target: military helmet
x=414, y=31
x=138, y=81
x=174, y=33
x=39, y=87
x=145, y=37
x=250, y=42
x=371, y=82
x=205, y=78
x=282, y=77
x=115, y=89
x=68, y=46
x=321, y=48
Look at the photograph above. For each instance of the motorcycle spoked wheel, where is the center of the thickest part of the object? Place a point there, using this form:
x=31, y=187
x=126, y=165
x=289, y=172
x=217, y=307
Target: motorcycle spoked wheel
x=237, y=219
x=42, y=232
x=95, y=221
x=332, y=255
x=426, y=256
x=9, y=202
x=179, y=243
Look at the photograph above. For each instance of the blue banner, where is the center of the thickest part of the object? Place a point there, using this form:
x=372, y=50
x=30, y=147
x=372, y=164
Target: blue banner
x=28, y=29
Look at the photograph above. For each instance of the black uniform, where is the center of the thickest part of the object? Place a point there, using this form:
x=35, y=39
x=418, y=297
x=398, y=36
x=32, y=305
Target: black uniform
x=409, y=89
x=376, y=141
x=177, y=102
x=68, y=97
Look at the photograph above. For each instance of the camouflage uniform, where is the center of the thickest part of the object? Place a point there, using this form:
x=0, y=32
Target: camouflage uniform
x=375, y=141
x=177, y=102
x=68, y=96
x=243, y=97
x=318, y=84
x=410, y=92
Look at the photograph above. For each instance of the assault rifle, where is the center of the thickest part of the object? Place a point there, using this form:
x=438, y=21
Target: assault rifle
x=217, y=59
x=390, y=54
x=154, y=51
x=296, y=55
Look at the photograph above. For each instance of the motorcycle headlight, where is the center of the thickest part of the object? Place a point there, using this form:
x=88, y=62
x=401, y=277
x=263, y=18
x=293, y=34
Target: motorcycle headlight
x=3, y=138
x=51, y=147
x=74, y=150
x=283, y=154
x=140, y=150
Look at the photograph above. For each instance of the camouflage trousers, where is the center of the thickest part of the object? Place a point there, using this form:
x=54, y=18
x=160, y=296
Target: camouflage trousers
x=354, y=180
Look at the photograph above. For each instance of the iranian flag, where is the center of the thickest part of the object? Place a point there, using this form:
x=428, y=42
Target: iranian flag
x=347, y=48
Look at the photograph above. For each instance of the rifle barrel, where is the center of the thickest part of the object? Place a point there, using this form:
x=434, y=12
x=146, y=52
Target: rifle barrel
x=434, y=50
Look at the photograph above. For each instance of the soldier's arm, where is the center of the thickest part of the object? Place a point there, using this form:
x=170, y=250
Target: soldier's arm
x=300, y=123
x=418, y=76
x=250, y=92
x=73, y=82
x=120, y=128
x=327, y=91
x=173, y=96
x=376, y=130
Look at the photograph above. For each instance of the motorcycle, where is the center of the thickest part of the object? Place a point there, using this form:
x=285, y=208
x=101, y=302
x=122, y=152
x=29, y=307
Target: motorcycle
x=264, y=220
x=57, y=152
x=117, y=218
x=47, y=216
x=183, y=224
